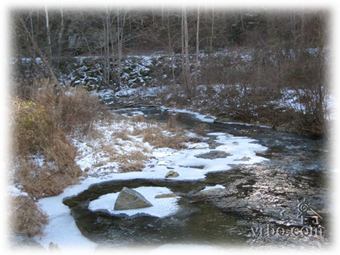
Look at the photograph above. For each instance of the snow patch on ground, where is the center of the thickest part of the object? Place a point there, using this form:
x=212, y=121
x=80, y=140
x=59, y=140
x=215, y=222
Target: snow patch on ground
x=218, y=186
x=96, y=155
x=162, y=207
x=15, y=191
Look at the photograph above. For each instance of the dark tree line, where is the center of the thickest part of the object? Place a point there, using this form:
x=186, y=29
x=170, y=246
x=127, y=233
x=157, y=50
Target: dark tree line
x=61, y=33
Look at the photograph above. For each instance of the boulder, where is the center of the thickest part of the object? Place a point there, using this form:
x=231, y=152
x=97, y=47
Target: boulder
x=130, y=199
x=171, y=174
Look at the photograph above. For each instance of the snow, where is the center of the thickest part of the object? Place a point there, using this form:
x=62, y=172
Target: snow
x=162, y=207
x=15, y=191
x=38, y=160
x=290, y=99
x=218, y=186
x=245, y=124
x=61, y=228
x=91, y=155
x=330, y=107
x=199, y=116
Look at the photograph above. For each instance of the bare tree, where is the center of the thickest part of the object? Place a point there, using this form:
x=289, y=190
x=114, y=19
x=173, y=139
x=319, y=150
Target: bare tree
x=106, y=26
x=120, y=37
x=171, y=50
x=60, y=35
x=197, y=42
x=48, y=33
x=40, y=53
x=185, y=53
x=212, y=29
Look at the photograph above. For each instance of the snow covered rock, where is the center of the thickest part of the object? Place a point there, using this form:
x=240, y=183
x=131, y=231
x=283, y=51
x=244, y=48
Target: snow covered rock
x=212, y=190
x=130, y=199
x=171, y=174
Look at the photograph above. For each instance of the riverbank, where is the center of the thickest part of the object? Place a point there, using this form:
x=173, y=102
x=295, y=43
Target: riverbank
x=146, y=143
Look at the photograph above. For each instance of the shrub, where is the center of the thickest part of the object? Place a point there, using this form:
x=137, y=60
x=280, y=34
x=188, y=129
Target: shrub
x=45, y=181
x=33, y=127
x=36, y=132
x=74, y=109
x=26, y=218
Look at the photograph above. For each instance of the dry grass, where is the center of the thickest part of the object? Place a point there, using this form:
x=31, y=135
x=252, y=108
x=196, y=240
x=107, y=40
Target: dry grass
x=48, y=180
x=138, y=118
x=124, y=135
x=33, y=127
x=201, y=129
x=72, y=108
x=172, y=124
x=155, y=137
x=26, y=218
x=37, y=132
x=132, y=161
x=40, y=123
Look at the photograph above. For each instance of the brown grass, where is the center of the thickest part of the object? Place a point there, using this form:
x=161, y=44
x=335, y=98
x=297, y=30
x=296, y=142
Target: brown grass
x=155, y=137
x=26, y=218
x=33, y=127
x=133, y=161
x=172, y=123
x=36, y=132
x=201, y=129
x=48, y=180
x=124, y=135
x=72, y=108
x=138, y=118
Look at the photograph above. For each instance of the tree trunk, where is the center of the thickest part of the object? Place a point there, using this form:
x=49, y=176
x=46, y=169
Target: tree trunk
x=197, y=43
x=212, y=30
x=60, y=36
x=40, y=53
x=119, y=49
x=106, y=47
x=185, y=52
x=171, y=51
x=48, y=33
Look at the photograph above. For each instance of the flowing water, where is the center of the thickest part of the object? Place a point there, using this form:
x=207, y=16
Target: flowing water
x=296, y=161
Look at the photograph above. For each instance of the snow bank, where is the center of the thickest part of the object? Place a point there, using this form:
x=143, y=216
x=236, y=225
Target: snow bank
x=218, y=186
x=162, y=207
x=199, y=116
x=15, y=191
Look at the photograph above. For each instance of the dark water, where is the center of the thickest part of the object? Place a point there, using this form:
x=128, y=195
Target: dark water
x=201, y=221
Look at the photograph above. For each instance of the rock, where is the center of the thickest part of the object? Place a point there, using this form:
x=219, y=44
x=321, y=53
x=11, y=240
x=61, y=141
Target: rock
x=195, y=166
x=213, y=155
x=243, y=159
x=171, y=174
x=213, y=191
x=130, y=199
x=169, y=195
